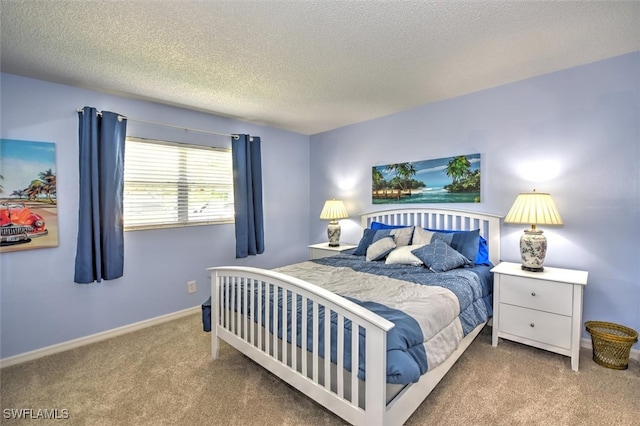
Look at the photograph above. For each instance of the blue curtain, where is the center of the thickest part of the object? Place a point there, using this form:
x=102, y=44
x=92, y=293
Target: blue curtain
x=100, y=249
x=247, y=193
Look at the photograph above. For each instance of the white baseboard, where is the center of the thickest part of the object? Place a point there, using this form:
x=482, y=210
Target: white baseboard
x=586, y=343
x=75, y=343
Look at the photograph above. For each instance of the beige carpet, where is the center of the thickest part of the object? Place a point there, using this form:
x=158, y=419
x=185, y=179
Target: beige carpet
x=164, y=375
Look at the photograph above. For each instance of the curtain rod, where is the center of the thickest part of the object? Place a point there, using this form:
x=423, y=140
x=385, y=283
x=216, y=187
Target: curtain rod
x=121, y=117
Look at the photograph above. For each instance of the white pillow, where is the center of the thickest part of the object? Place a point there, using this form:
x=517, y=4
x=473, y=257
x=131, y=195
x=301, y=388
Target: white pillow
x=421, y=236
x=404, y=256
x=380, y=249
x=402, y=236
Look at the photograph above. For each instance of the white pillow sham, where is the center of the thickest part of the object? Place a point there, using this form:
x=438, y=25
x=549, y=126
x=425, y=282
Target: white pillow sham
x=421, y=236
x=402, y=255
x=380, y=249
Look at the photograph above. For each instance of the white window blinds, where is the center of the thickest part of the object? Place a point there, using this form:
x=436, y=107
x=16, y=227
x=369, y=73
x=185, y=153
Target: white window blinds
x=168, y=184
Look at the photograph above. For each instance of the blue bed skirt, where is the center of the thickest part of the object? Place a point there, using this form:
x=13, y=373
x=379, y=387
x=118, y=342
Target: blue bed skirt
x=206, y=315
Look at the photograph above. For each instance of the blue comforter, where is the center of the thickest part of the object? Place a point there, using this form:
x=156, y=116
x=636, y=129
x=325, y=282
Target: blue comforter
x=407, y=357
x=472, y=286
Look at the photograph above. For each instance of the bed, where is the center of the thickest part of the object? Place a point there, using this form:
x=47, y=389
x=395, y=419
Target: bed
x=318, y=326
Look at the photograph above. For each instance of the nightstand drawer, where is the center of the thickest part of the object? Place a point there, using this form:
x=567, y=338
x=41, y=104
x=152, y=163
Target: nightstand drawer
x=537, y=294
x=535, y=325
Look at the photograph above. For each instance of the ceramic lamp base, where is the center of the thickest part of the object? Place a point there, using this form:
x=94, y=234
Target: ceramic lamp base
x=533, y=249
x=538, y=269
x=333, y=231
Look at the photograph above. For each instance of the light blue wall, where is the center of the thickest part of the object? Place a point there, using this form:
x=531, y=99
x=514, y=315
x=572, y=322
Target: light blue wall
x=574, y=134
x=40, y=305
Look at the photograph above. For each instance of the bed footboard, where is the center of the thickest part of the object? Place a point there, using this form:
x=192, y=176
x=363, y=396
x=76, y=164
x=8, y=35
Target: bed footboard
x=284, y=324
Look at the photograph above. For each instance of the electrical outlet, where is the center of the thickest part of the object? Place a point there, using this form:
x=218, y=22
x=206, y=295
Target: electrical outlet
x=191, y=287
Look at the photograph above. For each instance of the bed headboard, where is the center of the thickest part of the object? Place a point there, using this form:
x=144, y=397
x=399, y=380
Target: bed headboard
x=433, y=218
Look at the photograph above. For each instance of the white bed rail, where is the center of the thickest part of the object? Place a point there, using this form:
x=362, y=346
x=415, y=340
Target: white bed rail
x=241, y=304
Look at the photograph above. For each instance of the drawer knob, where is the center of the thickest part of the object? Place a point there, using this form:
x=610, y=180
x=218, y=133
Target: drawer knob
x=533, y=293
x=532, y=325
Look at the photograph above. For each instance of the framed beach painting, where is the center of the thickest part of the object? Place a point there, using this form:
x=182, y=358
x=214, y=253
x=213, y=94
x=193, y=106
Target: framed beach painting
x=442, y=180
x=28, y=200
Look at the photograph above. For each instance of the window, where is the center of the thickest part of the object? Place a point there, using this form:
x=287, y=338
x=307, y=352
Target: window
x=168, y=184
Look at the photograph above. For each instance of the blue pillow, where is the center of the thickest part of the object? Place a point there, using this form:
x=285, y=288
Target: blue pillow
x=380, y=234
x=440, y=256
x=379, y=225
x=483, y=253
x=446, y=237
x=370, y=236
x=466, y=243
x=365, y=242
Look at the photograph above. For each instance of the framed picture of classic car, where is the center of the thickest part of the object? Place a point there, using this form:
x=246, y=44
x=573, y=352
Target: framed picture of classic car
x=28, y=202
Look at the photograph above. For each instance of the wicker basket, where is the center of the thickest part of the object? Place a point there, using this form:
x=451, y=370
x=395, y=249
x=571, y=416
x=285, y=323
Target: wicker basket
x=611, y=343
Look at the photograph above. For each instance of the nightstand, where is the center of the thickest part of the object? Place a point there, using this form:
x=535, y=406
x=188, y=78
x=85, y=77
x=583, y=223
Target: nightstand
x=317, y=251
x=540, y=309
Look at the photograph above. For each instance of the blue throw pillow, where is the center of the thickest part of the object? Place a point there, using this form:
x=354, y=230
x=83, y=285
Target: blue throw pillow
x=466, y=243
x=440, y=256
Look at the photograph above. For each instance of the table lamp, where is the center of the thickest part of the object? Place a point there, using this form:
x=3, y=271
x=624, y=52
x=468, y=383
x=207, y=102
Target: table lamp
x=334, y=210
x=533, y=208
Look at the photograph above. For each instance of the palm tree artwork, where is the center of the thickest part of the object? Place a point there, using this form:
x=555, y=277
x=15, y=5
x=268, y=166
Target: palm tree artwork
x=457, y=168
x=28, y=185
x=28, y=170
x=442, y=180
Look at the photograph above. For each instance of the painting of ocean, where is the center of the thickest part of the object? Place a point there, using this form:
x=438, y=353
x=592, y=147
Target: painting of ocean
x=443, y=180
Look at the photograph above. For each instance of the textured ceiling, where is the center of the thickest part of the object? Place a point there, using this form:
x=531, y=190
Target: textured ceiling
x=306, y=66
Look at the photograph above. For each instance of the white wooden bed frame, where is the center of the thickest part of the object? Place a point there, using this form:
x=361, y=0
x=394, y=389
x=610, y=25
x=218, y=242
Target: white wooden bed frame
x=306, y=370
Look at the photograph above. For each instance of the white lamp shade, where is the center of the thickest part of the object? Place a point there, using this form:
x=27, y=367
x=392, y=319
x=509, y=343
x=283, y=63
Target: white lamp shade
x=333, y=210
x=534, y=208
